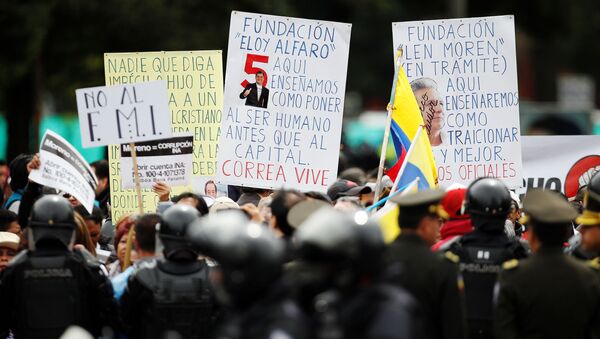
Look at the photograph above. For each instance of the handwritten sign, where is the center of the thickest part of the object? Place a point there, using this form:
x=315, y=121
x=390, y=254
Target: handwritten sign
x=63, y=168
x=464, y=76
x=123, y=113
x=284, y=102
x=195, y=98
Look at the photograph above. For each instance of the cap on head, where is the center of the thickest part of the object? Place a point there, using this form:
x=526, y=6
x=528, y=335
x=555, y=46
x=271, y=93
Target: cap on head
x=488, y=197
x=591, y=203
x=453, y=203
x=414, y=206
x=9, y=240
x=346, y=188
x=547, y=207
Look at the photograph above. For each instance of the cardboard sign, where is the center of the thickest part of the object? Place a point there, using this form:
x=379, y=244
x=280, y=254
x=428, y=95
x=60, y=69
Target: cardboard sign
x=166, y=160
x=63, y=168
x=284, y=102
x=124, y=113
x=560, y=163
x=463, y=73
x=195, y=97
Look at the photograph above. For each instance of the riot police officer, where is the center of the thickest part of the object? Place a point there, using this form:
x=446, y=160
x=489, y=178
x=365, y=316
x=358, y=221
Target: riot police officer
x=482, y=252
x=248, y=278
x=50, y=287
x=338, y=261
x=172, y=295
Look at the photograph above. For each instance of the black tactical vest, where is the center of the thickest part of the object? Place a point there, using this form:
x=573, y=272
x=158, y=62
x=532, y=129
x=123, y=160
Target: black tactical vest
x=180, y=303
x=53, y=293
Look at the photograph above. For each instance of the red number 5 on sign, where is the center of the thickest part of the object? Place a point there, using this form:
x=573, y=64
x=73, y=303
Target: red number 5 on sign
x=249, y=68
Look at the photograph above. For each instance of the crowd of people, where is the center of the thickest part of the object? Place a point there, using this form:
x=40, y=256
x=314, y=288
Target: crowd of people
x=470, y=262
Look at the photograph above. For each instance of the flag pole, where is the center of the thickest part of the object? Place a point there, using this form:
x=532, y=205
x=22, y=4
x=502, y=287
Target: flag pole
x=388, y=124
x=411, y=149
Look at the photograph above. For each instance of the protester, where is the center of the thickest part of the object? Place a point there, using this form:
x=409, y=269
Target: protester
x=9, y=247
x=120, y=244
x=346, y=188
x=82, y=235
x=144, y=244
x=283, y=201
x=431, y=279
x=9, y=223
x=223, y=204
x=589, y=221
x=19, y=171
x=93, y=222
x=101, y=170
x=163, y=190
x=252, y=195
x=4, y=186
x=459, y=222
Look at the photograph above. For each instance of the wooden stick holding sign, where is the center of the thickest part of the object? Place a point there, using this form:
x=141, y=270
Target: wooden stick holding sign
x=138, y=191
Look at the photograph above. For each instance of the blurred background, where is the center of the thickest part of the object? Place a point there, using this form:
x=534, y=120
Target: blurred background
x=50, y=48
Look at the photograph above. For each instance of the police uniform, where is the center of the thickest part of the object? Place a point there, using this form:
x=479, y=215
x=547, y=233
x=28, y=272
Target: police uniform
x=430, y=277
x=49, y=288
x=549, y=295
x=172, y=294
x=482, y=251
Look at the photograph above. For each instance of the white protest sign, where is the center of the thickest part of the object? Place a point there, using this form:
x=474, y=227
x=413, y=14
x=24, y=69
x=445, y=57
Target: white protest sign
x=63, y=168
x=464, y=76
x=560, y=163
x=284, y=101
x=123, y=113
x=167, y=160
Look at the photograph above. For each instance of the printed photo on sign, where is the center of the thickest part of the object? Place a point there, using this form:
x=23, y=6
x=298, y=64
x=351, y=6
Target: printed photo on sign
x=209, y=187
x=63, y=168
x=165, y=160
x=463, y=73
x=283, y=102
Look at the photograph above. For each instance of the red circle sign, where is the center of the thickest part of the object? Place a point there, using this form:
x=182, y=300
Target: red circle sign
x=580, y=174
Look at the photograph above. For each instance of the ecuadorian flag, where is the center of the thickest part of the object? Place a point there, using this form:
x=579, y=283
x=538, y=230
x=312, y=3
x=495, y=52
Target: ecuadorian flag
x=419, y=163
x=406, y=122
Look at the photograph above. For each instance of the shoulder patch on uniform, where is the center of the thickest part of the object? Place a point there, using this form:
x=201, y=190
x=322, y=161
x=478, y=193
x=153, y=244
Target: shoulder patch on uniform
x=594, y=263
x=452, y=257
x=511, y=264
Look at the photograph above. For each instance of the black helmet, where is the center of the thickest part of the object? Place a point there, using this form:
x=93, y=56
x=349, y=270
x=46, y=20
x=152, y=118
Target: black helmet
x=173, y=229
x=488, y=197
x=52, y=219
x=591, y=202
x=250, y=255
x=334, y=250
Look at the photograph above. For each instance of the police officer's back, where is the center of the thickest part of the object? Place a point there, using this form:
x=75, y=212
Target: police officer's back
x=549, y=295
x=50, y=287
x=173, y=294
x=247, y=279
x=482, y=252
x=431, y=278
x=337, y=262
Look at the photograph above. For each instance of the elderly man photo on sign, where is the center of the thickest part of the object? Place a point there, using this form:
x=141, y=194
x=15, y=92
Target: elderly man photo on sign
x=431, y=106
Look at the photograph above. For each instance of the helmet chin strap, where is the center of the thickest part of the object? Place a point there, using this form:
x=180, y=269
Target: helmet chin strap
x=30, y=241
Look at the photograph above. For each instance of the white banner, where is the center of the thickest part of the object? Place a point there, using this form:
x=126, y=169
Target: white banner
x=123, y=113
x=63, y=168
x=167, y=160
x=464, y=75
x=560, y=163
x=284, y=102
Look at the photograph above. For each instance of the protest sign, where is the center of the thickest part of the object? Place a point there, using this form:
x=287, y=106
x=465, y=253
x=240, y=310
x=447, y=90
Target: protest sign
x=63, y=168
x=284, y=101
x=123, y=113
x=195, y=97
x=463, y=73
x=166, y=160
x=559, y=163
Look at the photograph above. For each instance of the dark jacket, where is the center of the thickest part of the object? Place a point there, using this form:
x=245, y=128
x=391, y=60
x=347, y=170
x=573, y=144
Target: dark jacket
x=548, y=295
x=433, y=280
x=252, y=99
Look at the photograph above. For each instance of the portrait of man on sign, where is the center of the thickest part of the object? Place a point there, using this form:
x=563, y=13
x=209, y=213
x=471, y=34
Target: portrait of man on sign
x=256, y=94
x=431, y=106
